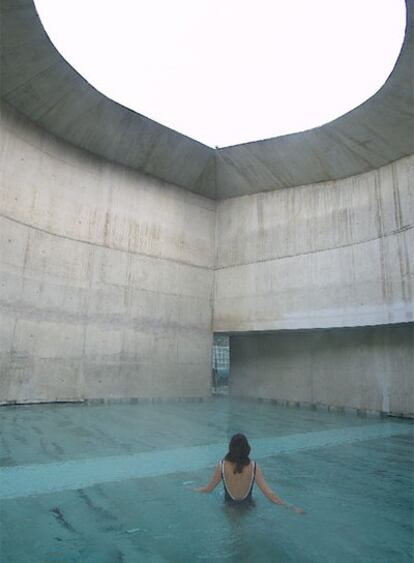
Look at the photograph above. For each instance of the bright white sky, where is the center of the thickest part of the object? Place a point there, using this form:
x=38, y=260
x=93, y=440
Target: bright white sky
x=226, y=72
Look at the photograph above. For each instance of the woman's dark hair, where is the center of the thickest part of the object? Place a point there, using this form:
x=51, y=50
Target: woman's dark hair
x=238, y=453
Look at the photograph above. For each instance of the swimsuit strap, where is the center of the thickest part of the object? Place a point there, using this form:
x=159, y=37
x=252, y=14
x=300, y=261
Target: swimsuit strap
x=253, y=476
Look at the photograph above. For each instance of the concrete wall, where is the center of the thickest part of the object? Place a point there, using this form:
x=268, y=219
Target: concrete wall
x=332, y=254
x=367, y=368
x=106, y=276
x=336, y=254
x=107, y=279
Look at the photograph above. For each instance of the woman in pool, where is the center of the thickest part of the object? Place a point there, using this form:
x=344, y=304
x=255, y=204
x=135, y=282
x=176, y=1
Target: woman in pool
x=239, y=473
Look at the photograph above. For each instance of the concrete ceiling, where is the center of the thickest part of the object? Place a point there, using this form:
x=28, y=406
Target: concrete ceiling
x=39, y=83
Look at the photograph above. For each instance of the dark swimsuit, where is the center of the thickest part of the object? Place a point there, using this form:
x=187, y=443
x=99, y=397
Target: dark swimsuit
x=228, y=498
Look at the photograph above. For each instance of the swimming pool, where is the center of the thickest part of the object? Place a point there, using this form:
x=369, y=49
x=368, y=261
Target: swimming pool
x=113, y=483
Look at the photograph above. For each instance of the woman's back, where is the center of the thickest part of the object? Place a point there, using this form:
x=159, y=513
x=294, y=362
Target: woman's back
x=238, y=485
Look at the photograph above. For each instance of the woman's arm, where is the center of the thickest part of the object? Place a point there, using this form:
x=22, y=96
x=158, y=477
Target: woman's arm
x=215, y=480
x=267, y=491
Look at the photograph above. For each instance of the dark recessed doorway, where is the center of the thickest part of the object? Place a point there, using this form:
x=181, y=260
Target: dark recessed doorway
x=220, y=373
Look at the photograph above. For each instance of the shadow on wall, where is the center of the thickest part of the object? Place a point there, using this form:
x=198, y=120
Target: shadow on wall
x=369, y=369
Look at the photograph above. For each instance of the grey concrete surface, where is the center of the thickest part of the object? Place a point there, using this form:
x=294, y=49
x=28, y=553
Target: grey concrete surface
x=39, y=83
x=364, y=368
x=106, y=276
x=323, y=255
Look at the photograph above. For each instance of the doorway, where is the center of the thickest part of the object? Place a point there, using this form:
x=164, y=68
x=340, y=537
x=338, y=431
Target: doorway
x=220, y=373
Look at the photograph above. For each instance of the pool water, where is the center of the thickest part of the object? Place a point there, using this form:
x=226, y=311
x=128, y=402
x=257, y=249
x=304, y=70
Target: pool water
x=113, y=483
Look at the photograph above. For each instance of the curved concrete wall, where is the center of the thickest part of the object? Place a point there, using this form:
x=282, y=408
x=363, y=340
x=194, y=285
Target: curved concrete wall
x=361, y=368
x=324, y=255
x=106, y=276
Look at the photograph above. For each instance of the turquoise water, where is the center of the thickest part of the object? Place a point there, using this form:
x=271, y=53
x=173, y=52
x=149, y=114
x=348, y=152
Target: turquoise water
x=113, y=483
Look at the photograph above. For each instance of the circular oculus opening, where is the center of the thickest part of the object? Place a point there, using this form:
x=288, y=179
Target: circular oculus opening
x=233, y=71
